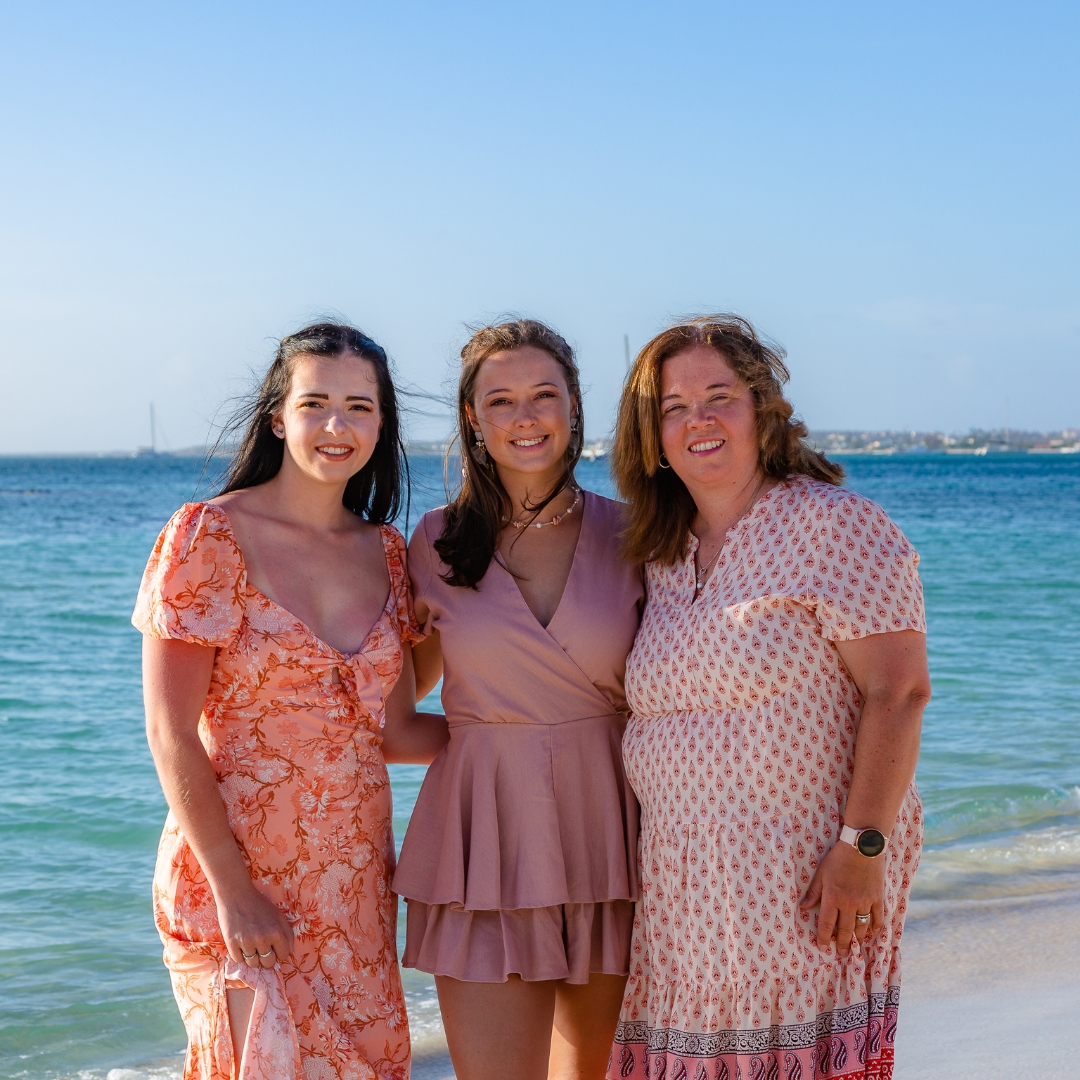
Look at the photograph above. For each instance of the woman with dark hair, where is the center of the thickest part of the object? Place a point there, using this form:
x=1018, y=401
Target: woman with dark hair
x=278, y=680
x=777, y=686
x=519, y=861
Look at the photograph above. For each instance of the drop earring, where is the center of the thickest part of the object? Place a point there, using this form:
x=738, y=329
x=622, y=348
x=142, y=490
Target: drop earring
x=480, y=450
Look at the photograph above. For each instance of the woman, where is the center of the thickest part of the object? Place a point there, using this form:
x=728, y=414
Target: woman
x=277, y=681
x=777, y=686
x=518, y=864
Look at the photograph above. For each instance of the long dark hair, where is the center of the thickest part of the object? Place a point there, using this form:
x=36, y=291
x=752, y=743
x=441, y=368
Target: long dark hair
x=482, y=508
x=374, y=493
x=661, y=508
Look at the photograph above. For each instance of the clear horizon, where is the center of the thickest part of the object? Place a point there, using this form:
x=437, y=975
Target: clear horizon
x=890, y=195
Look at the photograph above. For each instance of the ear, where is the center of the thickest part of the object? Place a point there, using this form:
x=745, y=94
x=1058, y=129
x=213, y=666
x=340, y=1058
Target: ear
x=473, y=422
x=277, y=426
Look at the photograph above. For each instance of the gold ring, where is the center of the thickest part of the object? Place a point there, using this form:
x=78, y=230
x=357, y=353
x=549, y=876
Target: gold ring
x=248, y=955
x=270, y=952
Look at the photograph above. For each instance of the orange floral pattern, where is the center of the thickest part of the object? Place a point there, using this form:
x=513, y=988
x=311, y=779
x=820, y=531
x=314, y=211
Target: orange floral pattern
x=292, y=729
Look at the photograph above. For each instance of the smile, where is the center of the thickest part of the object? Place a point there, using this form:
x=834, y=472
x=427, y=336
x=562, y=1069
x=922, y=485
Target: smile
x=529, y=442
x=338, y=453
x=701, y=447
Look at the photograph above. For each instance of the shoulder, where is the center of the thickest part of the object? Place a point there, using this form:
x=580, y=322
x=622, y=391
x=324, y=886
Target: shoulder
x=429, y=528
x=826, y=504
x=193, y=523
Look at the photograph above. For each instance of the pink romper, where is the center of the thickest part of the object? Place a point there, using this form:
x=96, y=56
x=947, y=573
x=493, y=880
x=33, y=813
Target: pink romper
x=520, y=857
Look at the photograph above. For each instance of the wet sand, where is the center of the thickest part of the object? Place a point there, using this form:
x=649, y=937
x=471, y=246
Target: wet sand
x=992, y=990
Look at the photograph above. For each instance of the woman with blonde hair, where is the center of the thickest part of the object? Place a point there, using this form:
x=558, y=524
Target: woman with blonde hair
x=519, y=862
x=777, y=686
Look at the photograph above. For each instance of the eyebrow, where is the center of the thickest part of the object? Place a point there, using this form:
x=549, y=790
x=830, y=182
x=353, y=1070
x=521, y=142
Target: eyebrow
x=711, y=386
x=326, y=397
x=506, y=389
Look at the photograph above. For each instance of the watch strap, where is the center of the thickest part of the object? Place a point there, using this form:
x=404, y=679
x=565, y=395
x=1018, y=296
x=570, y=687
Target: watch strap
x=850, y=836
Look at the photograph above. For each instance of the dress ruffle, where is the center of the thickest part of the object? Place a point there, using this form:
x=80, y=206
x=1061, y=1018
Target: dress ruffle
x=524, y=816
x=568, y=942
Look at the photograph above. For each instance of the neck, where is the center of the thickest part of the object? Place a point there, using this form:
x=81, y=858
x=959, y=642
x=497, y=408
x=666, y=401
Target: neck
x=528, y=489
x=720, y=505
x=298, y=498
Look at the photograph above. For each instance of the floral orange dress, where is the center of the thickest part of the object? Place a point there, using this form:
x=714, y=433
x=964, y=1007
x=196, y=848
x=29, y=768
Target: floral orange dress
x=292, y=729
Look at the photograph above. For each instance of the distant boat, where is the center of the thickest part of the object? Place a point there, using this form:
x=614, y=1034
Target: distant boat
x=151, y=450
x=976, y=451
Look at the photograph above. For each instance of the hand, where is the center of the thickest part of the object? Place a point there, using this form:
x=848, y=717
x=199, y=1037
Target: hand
x=255, y=930
x=847, y=883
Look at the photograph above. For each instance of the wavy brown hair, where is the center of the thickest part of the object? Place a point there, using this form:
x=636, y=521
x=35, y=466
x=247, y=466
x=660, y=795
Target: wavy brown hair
x=661, y=509
x=482, y=508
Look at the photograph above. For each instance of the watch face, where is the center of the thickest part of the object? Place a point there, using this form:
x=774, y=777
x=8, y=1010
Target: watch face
x=870, y=843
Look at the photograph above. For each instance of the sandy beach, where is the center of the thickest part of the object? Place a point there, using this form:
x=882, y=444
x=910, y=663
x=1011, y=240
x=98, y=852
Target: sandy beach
x=991, y=990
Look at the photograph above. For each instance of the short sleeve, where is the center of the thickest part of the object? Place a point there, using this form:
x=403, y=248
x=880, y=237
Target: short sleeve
x=421, y=569
x=404, y=615
x=866, y=578
x=192, y=589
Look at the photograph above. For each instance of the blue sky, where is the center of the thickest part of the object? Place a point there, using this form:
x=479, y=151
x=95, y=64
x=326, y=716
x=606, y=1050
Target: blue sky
x=889, y=192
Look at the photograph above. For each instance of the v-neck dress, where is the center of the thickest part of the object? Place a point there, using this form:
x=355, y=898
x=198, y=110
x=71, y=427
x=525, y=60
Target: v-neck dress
x=741, y=749
x=292, y=728
x=521, y=854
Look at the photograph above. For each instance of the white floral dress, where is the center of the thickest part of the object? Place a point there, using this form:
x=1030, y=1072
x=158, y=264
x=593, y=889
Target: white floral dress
x=741, y=749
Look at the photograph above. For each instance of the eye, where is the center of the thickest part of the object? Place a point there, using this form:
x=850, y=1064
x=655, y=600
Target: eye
x=310, y=405
x=498, y=401
x=360, y=406
x=546, y=394
x=673, y=408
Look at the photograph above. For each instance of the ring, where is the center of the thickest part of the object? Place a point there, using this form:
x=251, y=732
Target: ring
x=248, y=955
x=858, y=918
x=270, y=952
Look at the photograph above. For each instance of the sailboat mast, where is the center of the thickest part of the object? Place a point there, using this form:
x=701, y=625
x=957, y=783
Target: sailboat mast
x=153, y=430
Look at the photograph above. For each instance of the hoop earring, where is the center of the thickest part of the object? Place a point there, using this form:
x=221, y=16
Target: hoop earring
x=664, y=463
x=480, y=450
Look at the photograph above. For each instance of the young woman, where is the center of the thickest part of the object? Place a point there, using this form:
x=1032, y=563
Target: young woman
x=519, y=864
x=278, y=680
x=777, y=685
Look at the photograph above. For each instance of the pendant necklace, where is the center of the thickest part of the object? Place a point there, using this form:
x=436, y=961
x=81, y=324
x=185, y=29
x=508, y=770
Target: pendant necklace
x=703, y=573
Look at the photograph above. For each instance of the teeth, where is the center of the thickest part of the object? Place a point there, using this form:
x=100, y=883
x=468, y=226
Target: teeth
x=337, y=451
x=529, y=442
x=697, y=448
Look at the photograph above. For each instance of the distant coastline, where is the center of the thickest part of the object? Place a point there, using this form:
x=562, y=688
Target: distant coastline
x=976, y=443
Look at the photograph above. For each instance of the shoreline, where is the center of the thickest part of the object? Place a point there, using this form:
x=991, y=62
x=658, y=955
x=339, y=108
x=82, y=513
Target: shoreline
x=990, y=988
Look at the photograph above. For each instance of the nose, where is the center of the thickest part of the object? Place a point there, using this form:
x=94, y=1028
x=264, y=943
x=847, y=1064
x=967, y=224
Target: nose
x=700, y=414
x=525, y=416
x=334, y=425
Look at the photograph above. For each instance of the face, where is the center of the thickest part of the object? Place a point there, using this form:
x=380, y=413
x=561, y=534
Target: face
x=523, y=410
x=331, y=419
x=707, y=420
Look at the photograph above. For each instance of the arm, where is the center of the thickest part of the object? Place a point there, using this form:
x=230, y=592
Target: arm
x=176, y=677
x=427, y=657
x=890, y=671
x=410, y=737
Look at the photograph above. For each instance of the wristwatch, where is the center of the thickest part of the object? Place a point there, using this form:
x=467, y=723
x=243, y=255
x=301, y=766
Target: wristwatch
x=868, y=842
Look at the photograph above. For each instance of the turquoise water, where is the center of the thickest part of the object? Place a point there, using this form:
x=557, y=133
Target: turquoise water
x=82, y=990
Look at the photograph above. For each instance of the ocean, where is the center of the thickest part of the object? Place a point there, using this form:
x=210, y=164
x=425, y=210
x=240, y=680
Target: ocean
x=83, y=993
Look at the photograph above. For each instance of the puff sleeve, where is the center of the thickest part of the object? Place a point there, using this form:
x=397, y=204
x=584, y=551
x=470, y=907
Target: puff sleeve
x=404, y=615
x=865, y=579
x=193, y=585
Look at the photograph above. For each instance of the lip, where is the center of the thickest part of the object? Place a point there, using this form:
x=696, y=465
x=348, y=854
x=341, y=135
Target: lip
x=327, y=452
x=706, y=446
x=531, y=442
